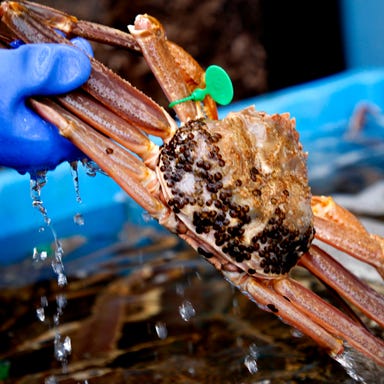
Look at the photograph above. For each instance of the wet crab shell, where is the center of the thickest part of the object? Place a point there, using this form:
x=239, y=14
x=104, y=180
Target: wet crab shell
x=241, y=184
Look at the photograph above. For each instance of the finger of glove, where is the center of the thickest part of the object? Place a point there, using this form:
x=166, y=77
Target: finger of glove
x=41, y=69
x=83, y=44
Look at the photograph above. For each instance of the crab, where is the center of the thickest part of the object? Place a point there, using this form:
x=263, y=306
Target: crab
x=235, y=189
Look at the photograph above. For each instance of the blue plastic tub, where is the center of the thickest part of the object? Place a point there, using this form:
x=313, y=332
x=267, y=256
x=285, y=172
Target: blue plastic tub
x=322, y=110
x=363, y=28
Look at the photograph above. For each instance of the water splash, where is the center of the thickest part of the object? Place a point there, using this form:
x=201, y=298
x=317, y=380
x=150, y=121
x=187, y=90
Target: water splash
x=359, y=367
x=37, y=181
x=62, y=346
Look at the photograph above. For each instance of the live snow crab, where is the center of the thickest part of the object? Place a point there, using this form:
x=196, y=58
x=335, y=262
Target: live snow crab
x=235, y=189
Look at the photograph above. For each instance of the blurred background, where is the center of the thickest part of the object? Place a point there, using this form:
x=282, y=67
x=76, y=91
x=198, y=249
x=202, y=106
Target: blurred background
x=264, y=44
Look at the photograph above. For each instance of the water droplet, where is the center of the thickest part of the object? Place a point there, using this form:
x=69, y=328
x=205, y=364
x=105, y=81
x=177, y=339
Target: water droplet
x=250, y=361
x=50, y=380
x=61, y=302
x=254, y=351
x=186, y=310
x=62, y=280
x=40, y=312
x=75, y=178
x=39, y=256
x=67, y=344
x=62, y=348
x=251, y=364
x=44, y=301
x=180, y=290
x=146, y=217
x=192, y=371
x=296, y=333
x=78, y=219
x=161, y=330
x=37, y=181
x=92, y=168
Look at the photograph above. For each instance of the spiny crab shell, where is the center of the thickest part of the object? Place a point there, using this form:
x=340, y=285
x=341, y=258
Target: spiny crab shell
x=241, y=185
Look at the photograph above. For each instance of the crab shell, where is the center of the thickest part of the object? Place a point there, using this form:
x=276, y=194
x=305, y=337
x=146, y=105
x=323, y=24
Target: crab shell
x=240, y=186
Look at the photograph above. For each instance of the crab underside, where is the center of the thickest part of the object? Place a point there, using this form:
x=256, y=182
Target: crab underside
x=235, y=189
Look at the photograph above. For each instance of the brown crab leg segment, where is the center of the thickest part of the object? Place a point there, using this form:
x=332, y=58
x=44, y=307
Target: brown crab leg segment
x=104, y=85
x=330, y=318
x=150, y=35
x=72, y=26
x=345, y=283
x=264, y=295
x=105, y=121
x=129, y=172
x=193, y=76
x=341, y=229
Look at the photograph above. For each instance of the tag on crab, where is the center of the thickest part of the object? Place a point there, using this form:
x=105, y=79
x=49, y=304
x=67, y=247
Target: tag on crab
x=217, y=84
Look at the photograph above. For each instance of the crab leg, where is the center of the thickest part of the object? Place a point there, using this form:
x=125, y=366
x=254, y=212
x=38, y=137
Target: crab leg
x=73, y=26
x=176, y=71
x=130, y=173
x=104, y=85
x=337, y=227
x=305, y=311
x=150, y=35
x=192, y=73
x=105, y=121
x=330, y=318
x=271, y=301
x=346, y=284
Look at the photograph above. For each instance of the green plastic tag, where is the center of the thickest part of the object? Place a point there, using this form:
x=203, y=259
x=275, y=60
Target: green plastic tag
x=217, y=84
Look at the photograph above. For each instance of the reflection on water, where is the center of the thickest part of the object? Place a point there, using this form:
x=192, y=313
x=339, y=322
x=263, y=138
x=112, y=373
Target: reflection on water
x=146, y=308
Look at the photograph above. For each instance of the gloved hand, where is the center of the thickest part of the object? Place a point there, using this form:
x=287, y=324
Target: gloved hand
x=27, y=142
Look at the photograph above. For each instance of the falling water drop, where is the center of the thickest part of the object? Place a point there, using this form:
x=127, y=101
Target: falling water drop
x=61, y=302
x=75, y=178
x=358, y=367
x=92, y=168
x=37, y=181
x=63, y=348
x=40, y=312
x=186, y=310
x=39, y=256
x=50, y=380
x=78, y=219
x=250, y=361
x=161, y=330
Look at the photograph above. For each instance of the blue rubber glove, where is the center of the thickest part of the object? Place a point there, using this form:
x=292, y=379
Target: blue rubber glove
x=27, y=142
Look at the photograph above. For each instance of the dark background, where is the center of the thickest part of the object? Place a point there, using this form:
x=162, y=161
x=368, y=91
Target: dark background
x=264, y=44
